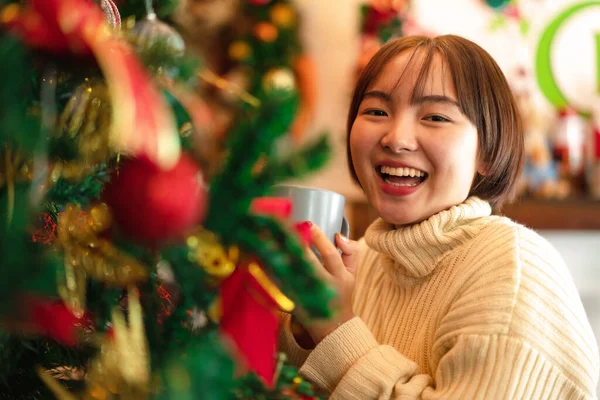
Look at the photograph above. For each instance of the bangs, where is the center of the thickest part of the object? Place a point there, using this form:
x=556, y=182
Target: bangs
x=426, y=76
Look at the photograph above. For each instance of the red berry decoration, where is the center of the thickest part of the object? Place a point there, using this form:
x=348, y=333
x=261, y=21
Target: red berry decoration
x=151, y=205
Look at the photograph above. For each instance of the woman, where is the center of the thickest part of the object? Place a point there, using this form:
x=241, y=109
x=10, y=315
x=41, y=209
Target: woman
x=441, y=299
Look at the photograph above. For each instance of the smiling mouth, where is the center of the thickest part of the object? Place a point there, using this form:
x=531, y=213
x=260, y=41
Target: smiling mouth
x=402, y=177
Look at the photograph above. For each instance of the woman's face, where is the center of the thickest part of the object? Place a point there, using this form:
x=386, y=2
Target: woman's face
x=413, y=159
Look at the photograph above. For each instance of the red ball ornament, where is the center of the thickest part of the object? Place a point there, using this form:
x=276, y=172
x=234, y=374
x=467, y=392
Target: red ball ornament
x=151, y=205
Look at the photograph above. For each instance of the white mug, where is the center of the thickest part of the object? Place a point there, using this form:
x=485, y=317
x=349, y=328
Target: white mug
x=323, y=208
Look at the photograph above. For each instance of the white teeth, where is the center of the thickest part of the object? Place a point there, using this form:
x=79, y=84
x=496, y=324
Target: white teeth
x=402, y=171
x=401, y=184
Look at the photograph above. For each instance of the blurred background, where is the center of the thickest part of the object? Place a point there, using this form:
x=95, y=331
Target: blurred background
x=549, y=51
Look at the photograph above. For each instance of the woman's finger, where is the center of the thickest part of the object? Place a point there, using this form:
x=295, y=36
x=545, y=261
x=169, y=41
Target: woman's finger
x=329, y=253
x=350, y=249
x=319, y=268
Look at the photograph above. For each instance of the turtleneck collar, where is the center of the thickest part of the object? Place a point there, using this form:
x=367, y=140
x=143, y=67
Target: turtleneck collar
x=415, y=250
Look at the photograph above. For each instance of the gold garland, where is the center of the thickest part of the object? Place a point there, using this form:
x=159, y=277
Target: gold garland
x=206, y=250
x=13, y=169
x=87, y=254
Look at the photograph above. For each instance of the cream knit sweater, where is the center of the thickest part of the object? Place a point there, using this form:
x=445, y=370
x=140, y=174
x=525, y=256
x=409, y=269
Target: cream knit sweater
x=464, y=305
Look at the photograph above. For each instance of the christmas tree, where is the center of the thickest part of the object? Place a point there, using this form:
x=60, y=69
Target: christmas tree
x=141, y=256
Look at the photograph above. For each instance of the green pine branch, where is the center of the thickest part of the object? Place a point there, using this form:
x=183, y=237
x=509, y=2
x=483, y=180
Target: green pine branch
x=310, y=158
x=234, y=188
x=283, y=256
x=82, y=192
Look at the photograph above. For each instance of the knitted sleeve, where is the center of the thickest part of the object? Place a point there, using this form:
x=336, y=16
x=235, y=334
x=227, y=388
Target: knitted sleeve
x=352, y=365
x=516, y=330
x=287, y=343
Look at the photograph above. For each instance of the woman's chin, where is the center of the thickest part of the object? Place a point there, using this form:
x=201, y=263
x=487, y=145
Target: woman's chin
x=400, y=220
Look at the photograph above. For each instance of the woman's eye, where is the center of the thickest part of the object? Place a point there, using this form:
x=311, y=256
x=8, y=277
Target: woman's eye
x=436, y=118
x=376, y=113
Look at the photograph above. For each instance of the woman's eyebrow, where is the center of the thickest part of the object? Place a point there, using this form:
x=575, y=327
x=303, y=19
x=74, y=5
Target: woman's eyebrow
x=378, y=95
x=434, y=99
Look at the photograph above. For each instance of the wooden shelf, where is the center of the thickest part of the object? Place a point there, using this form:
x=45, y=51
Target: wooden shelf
x=538, y=214
x=569, y=214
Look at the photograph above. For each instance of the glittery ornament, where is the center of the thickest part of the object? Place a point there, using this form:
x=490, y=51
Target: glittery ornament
x=239, y=50
x=266, y=32
x=150, y=31
x=86, y=120
x=283, y=15
x=279, y=79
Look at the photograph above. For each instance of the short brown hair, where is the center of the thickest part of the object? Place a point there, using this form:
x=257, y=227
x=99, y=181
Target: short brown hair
x=485, y=99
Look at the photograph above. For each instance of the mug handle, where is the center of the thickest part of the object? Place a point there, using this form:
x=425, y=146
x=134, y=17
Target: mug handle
x=345, y=227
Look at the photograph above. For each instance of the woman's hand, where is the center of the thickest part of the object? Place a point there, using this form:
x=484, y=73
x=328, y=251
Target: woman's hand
x=339, y=270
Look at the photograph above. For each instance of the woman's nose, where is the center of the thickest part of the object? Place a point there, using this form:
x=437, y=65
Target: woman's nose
x=401, y=136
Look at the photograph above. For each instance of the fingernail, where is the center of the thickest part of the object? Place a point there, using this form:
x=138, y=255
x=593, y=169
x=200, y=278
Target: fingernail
x=303, y=229
x=304, y=225
x=344, y=238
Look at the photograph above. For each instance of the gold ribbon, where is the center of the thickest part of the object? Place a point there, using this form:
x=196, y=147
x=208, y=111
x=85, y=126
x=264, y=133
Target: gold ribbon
x=284, y=303
x=224, y=84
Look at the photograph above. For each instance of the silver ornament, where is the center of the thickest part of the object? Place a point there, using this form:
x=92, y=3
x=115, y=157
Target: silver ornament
x=150, y=31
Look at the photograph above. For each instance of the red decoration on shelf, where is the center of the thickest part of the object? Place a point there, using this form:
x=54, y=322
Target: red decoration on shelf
x=45, y=233
x=596, y=142
x=376, y=18
x=152, y=205
x=249, y=319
